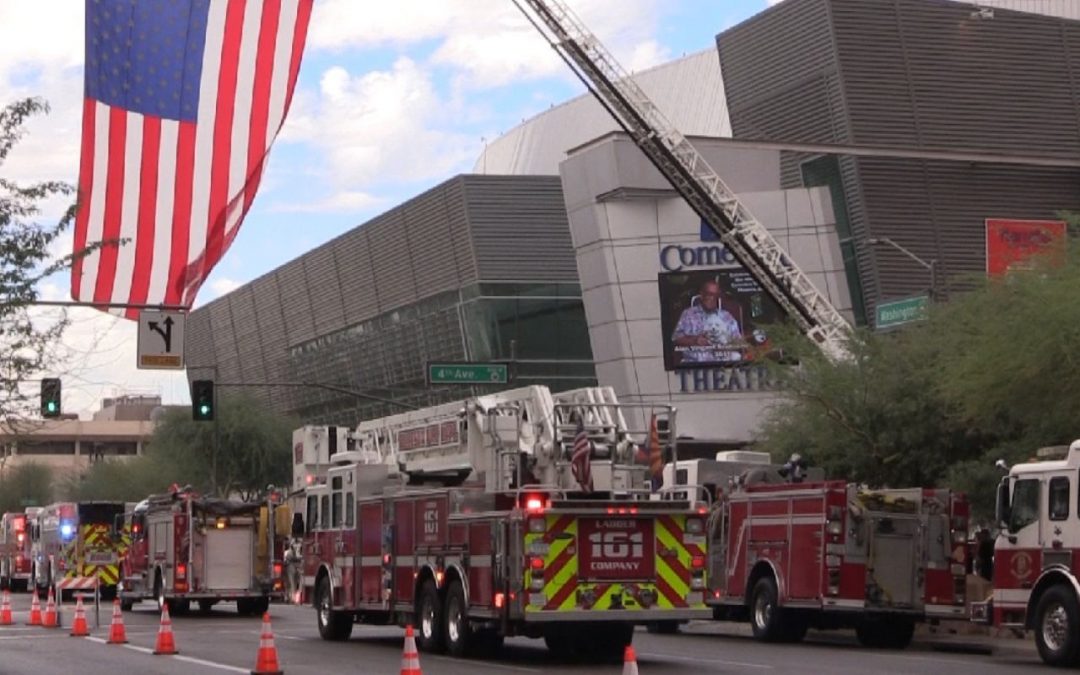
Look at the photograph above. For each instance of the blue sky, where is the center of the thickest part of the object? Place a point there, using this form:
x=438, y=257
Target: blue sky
x=392, y=99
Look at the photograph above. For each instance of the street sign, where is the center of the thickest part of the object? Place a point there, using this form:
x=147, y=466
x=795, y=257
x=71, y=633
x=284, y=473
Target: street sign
x=899, y=312
x=468, y=373
x=161, y=340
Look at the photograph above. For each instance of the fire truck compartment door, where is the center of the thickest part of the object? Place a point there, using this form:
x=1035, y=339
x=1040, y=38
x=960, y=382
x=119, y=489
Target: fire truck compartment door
x=229, y=555
x=891, y=573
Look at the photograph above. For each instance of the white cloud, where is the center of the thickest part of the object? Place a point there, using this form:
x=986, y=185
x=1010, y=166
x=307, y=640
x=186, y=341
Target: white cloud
x=222, y=286
x=381, y=126
x=347, y=201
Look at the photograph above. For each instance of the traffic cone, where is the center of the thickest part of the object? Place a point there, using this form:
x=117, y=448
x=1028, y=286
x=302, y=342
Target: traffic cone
x=51, y=620
x=629, y=661
x=410, y=659
x=35, y=610
x=78, y=624
x=5, y=610
x=266, y=662
x=165, y=645
x=117, y=634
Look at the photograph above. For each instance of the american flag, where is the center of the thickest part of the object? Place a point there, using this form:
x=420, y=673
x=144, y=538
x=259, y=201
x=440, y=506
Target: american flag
x=581, y=457
x=656, y=455
x=183, y=100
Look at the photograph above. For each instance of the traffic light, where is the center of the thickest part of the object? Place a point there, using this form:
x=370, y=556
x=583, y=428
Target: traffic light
x=202, y=400
x=50, y=397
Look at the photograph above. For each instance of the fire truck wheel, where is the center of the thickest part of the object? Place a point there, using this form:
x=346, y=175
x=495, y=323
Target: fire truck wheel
x=126, y=605
x=662, y=627
x=159, y=592
x=458, y=630
x=335, y=626
x=205, y=606
x=765, y=618
x=1057, y=618
x=430, y=619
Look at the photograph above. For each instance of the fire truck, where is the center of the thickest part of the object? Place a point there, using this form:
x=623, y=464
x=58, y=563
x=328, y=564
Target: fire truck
x=76, y=539
x=1035, y=576
x=790, y=552
x=188, y=548
x=15, y=561
x=473, y=521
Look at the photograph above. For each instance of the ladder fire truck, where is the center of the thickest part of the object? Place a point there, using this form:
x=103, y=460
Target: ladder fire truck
x=77, y=539
x=789, y=556
x=1036, y=577
x=470, y=520
x=15, y=560
x=188, y=548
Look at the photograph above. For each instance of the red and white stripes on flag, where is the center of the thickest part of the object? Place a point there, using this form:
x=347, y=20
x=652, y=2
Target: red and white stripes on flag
x=165, y=197
x=581, y=457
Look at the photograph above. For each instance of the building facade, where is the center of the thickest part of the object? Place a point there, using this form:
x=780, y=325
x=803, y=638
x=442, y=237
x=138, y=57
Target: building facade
x=914, y=75
x=479, y=268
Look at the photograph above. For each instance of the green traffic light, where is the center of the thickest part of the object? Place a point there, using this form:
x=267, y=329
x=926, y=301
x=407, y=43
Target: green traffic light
x=51, y=405
x=204, y=409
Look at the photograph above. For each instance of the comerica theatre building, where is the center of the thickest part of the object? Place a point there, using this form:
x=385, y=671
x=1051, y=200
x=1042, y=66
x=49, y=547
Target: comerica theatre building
x=894, y=148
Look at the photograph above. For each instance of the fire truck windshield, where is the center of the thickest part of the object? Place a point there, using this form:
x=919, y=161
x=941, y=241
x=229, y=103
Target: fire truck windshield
x=1025, y=504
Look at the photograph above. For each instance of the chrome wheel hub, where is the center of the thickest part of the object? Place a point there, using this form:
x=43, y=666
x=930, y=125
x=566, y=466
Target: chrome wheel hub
x=1055, y=628
x=324, y=610
x=453, y=628
x=427, y=620
x=762, y=611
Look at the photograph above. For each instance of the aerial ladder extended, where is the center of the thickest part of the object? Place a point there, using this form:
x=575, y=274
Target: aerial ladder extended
x=691, y=176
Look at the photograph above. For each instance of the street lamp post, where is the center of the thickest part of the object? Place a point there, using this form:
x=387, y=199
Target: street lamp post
x=931, y=266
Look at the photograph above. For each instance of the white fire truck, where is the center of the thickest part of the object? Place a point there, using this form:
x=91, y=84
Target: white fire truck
x=15, y=560
x=469, y=520
x=187, y=548
x=1036, y=574
x=791, y=555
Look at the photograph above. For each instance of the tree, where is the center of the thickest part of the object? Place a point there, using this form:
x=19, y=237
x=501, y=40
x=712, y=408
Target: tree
x=253, y=447
x=27, y=341
x=28, y=484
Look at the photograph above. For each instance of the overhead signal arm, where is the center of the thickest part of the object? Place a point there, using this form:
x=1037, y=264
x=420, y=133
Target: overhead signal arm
x=691, y=176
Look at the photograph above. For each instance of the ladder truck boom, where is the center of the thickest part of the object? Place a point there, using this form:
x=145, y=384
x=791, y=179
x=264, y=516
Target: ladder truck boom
x=691, y=176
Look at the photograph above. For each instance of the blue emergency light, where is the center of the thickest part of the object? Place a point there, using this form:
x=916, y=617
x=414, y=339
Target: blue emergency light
x=67, y=530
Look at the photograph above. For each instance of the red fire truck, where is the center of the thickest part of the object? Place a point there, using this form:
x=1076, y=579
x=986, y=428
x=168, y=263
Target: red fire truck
x=187, y=548
x=1036, y=573
x=827, y=554
x=15, y=560
x=76, y=539
x=469, y=520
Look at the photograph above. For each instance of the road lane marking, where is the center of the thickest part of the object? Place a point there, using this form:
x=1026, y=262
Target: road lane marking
x=26, y=637
x=179, y=657
x=483, y=664
x=707, y=662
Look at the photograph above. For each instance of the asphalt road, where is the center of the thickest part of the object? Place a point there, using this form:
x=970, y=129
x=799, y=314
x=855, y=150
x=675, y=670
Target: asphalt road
x=225, y=642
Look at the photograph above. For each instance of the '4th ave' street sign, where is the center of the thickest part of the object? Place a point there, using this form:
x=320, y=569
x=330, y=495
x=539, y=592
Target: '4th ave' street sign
x=468, y=373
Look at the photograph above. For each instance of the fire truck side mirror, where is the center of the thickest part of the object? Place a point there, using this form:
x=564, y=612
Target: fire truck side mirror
x=1001, y=506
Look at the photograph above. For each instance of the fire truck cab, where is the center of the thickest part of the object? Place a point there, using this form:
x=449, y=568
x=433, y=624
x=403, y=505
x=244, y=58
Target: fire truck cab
x=1036, y=576
x=469, y=521
x=187, y=548
x=15, y=560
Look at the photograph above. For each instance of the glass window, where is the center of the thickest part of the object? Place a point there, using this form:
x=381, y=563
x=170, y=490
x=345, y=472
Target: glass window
x=324, y=512
x=335, y=508
x=313, y=512
x=350, y=510
x=1025, y=504
x=1058, y=506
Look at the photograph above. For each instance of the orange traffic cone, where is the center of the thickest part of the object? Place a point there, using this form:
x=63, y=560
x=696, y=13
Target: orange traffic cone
x=51, y=620
x=78, y=624
x=410, y=659
x=266, y=662
x=117, y=635
x=629, y=661
x=35, y=610
x=5, y=610
x=165, y=644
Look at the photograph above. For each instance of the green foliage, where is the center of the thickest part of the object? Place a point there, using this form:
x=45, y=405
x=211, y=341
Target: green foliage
x=27, y=484
x=995, y=373
x=25, y=344
x=253, y=450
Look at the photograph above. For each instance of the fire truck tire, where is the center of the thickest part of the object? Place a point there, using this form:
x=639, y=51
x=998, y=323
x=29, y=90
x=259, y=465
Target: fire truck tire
x=126, y=605
x=765, y=616
x=895, y=633
x=662, y=627
x=430, y=619
x=1057, y=627
x=458, y=631
x=795, y=628
x=333, y=626
x=205, y=606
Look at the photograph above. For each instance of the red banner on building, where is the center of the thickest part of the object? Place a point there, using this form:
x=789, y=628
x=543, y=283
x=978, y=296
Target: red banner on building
x=1012, y=243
